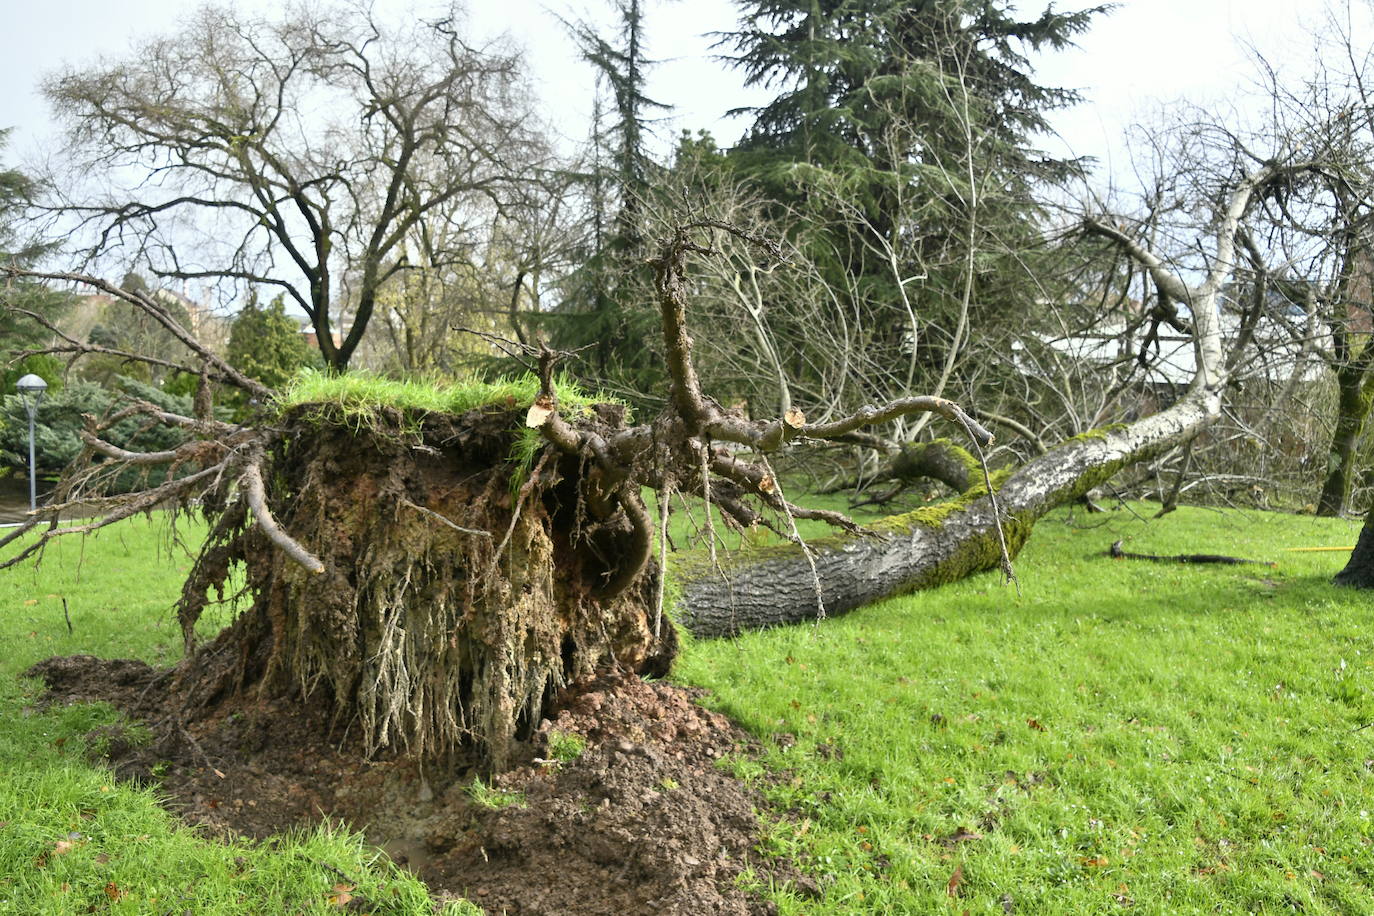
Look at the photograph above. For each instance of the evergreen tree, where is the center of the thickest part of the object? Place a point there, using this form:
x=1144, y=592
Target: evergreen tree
x=265, y=344
x=620, y=155
x=906, y=129
x=57, y=433
x=605, y=301
x=849, y=70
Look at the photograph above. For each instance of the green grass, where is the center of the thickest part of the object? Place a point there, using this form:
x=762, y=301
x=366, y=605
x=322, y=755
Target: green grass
x=1121, y=735
x=357, y=397
x=72, y=838
x=494, y=798
x=565, y=747
x=361, y=394
x=1176, y=739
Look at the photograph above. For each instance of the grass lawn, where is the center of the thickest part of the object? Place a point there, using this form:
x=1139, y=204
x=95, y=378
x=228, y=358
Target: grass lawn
x=72, y=840
x=1122, y=734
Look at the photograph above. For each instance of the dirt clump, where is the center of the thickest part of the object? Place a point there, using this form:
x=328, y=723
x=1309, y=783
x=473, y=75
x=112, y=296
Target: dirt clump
x=616, y=804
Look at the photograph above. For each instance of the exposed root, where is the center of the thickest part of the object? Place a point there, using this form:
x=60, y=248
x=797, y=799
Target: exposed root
x=257, y=503
x=425, y=636
x=476, y=532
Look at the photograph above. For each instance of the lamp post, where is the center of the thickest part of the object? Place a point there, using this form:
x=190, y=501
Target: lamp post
x=31, y=389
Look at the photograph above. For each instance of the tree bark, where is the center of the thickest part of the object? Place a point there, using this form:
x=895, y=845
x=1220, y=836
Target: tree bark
x=940, y=460
x=1355, y=390
x=1359, y=570
x=776, y=585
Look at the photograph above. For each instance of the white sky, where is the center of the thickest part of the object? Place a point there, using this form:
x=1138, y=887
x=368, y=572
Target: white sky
x=1146, y=53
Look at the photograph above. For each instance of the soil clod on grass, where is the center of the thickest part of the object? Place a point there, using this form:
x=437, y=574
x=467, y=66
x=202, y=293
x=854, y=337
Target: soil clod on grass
x=616, y=805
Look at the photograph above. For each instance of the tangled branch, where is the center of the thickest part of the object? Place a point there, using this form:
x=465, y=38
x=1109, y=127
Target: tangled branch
x=695, y=443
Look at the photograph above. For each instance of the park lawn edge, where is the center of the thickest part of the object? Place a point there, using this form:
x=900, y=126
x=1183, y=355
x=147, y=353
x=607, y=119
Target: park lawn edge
x=839, y=774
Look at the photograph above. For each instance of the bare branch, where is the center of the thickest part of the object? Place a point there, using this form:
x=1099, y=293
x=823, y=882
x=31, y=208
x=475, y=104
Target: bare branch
x=146, y=304
x=121, y=507
x=870, y=416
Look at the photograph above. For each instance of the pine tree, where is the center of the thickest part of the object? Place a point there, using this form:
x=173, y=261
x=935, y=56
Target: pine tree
x=919, y=117
x=604, y=300
x=266, y=344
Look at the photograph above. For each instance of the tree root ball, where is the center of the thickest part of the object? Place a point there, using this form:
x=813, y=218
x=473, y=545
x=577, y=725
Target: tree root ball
x=461, y=586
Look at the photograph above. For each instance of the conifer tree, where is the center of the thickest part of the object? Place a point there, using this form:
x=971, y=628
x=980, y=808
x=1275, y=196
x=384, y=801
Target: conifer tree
x=605, y=298
x=266, y=344
x=908, y=129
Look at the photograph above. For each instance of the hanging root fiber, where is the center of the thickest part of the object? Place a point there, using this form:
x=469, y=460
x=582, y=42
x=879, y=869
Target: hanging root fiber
x=456, y=590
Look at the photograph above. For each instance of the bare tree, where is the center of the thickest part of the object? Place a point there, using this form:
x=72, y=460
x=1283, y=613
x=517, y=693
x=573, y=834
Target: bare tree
x=1326, y=228
x=296, y=154
x=525, y=246
x=1298, y=305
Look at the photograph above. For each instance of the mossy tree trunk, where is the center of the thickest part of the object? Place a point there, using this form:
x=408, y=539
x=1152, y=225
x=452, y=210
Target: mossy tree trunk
x=1355, y=392
x=922, y=549
x=940, y=460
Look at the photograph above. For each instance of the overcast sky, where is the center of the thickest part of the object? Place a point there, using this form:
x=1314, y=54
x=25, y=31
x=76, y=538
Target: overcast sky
x=1146, y=53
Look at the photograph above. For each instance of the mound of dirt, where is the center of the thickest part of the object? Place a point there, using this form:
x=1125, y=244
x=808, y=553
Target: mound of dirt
x=636, y=816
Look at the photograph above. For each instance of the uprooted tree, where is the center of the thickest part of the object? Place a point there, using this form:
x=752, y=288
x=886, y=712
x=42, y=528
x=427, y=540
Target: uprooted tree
x=403, y=570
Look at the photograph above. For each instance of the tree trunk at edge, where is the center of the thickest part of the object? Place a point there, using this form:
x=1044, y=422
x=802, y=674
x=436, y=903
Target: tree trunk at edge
x=1353, y=406
x=1359, y=570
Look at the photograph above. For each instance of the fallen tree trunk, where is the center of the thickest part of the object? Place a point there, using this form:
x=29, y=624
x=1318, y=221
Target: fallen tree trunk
x=408, y=573
x=925, y=548
x=793, y=583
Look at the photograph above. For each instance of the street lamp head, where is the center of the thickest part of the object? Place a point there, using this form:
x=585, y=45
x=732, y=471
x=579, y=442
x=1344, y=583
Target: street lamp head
x=31, y=389
x=31, y=385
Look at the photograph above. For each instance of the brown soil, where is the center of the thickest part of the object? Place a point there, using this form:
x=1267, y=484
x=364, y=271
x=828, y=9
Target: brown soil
x=643, y=821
